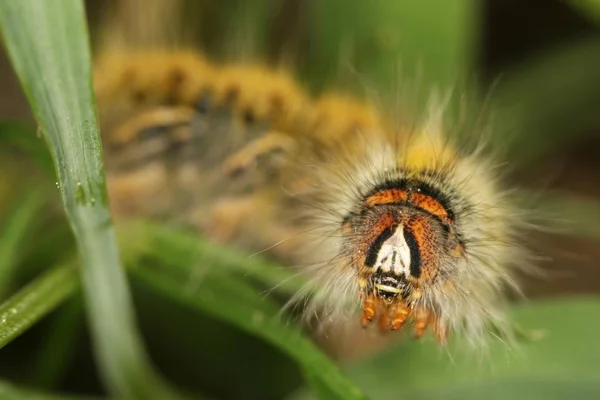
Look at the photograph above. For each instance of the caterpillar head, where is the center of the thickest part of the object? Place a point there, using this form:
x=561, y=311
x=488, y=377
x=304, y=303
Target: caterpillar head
x=400, y=239
x=418, y=233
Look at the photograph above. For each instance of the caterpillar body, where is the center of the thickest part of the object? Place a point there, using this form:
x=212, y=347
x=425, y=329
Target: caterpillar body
x=391, y=218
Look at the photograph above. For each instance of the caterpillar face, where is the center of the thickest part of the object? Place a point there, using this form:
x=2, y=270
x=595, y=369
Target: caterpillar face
x=398, y=238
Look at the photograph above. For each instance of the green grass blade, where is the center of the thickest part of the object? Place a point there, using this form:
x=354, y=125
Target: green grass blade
x=179, y=249
x=35, y=301
x=56, y=351
x=15, y=227
x=11, y=392
x=588, y=8
x=24, y=137
x=166, y=259
x=566, y=352
x=219, y=300
x=48, y=46
x=562, y=358
x=515, y=389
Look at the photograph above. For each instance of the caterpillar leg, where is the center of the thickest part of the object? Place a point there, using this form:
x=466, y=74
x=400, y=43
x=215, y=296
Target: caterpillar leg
x=260, y=150
x=139, y=192
x=369, y=311
x=177, y=163
x=136, y=159
x=224, y=220
x=422, y=321
x=162, y=161
x=250, y=222
x=148, y=134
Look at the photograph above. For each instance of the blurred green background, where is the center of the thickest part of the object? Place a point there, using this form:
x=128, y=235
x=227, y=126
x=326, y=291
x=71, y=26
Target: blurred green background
x=538, y=63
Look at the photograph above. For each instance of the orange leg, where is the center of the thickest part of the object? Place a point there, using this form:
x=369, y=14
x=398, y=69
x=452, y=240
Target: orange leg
x=401, y=314
x=249, y=155
x=128, y=132
x=227, y=217
x=422, y=320
x=369, y=311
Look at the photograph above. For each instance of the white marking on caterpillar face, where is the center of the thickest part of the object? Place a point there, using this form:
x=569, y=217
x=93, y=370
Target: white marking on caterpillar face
x=387, y=288
x=394, y=255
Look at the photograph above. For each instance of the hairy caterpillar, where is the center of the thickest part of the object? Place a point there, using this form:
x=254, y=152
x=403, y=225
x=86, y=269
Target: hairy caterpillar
x=400, y=221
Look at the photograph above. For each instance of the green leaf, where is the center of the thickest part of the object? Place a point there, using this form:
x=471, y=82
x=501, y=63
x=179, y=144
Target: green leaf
x=11, y=392
x=233, y=300
x=180, y=249
x=589, y=8
x=57, y=350
x=35, y=301
x=515, y=388
x=16, y=226
x=24, y=137
x=220, y=299
x=564, y=358
x=48, y=46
